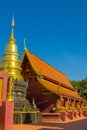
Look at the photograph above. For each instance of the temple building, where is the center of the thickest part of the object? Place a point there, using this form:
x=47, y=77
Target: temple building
x=50, y=88
x=35, y=85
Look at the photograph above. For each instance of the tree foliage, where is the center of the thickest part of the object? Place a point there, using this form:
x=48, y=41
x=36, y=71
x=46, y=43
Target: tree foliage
x=81, y=87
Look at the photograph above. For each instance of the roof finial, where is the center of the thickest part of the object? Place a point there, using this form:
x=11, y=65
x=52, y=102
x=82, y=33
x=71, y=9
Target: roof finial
x=25, y=43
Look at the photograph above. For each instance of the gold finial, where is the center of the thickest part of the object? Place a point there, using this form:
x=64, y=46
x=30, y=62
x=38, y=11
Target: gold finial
x=25, y=43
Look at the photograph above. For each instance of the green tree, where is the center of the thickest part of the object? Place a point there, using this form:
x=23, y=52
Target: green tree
x=81, y=87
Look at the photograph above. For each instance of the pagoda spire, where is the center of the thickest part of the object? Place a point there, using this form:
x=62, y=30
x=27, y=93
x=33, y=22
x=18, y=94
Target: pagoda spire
x=12, y=25
x=12, y=39
x=10, y=61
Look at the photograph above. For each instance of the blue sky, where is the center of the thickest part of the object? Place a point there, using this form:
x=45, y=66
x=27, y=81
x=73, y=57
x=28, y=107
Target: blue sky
x=55, y=30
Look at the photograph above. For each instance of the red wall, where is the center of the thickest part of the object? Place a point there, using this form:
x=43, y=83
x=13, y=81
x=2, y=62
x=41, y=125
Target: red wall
x=6, y=107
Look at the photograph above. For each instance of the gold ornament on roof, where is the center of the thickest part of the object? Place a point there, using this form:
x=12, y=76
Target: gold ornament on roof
x=25, y=43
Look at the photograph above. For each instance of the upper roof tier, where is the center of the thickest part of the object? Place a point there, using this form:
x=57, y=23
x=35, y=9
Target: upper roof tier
x=44, y=69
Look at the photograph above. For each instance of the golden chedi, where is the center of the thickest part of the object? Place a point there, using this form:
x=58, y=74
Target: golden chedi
x=16, y=91
x=10, y=62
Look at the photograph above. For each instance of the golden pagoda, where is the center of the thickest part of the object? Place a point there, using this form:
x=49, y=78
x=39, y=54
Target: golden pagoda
x=10, y=62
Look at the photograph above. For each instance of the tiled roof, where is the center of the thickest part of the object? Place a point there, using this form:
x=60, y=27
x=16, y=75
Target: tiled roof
x=42, y=68
x=60, y=90
x=45, y=69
